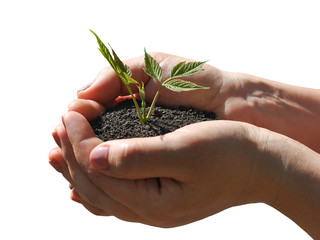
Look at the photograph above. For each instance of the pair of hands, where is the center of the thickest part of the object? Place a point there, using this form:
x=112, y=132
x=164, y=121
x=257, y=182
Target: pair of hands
x=168, y=180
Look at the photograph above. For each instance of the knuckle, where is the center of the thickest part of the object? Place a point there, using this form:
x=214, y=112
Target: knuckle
x=74, y=104
x=124, y=157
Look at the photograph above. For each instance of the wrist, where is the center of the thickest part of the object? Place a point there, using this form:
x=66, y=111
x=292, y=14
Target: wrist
x=262, y=99
x=298, y=194
x=246, y=98
x=278, y=107
x=285, y=175
x=267, y=165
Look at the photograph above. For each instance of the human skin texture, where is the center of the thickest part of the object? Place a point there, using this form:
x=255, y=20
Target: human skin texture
x=254, y=153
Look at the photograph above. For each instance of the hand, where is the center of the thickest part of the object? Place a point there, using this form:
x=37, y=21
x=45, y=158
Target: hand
x=107, y=87
x=167, y=180
x=232, y=96
x=227, y=96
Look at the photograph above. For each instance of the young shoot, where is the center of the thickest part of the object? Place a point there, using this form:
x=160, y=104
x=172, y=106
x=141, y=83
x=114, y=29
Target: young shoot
x=153, y=69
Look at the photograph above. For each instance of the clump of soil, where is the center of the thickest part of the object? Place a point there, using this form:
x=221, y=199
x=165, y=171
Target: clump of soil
x=121, y=121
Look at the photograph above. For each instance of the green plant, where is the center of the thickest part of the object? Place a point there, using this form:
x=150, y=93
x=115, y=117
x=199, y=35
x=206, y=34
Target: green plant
x=153, y=69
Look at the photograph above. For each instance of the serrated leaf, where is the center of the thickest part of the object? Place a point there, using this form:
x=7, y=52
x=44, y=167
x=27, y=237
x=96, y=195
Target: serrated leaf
x=178, y=85
x=152, y=68
x=183, y=69
x=127, y=70
x=119, y=63
x=105, y=51
x=119, y=67
x=129, y=79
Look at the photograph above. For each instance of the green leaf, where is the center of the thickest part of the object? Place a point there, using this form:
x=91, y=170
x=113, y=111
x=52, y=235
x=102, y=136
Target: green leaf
x=142, y=92
x=183, y=69
x=120, y=64
x=152, y=68
x=105, y=51
x=129, y=79
x=119, y=67
x=178, y=85
x=127, y=70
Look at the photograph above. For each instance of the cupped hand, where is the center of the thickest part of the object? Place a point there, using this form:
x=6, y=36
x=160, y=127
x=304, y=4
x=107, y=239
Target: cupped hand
x=107, y=87
x=232, y=96
x=167, y=180
x=197, y=170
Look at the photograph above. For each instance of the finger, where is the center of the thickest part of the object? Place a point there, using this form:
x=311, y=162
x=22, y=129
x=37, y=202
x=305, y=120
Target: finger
x=55, y=164
x=56, y=137
x=80, y=181
x=107, y=86
x=94, y=210
x=88, y=108
x=100, y=89
x=77, y=141
x=57, y=161
x=154, y=199
x=132, y=195
x=141, y=158
x=81, y=136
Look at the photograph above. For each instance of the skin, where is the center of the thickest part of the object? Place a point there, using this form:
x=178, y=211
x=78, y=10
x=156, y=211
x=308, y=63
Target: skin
x=255, y=153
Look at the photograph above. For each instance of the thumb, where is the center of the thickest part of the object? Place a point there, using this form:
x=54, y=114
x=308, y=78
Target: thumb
x=138, y=158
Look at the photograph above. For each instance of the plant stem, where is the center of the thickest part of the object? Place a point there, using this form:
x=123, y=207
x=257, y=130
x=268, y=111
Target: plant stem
x=156, y=98
x=143, y=106
x=153, y=103
x=142, y=120
x=137, y=107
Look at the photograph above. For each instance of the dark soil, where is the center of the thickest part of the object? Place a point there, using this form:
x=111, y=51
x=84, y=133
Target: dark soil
x=121, y=121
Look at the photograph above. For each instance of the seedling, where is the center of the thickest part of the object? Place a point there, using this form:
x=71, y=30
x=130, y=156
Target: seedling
x=153, y=69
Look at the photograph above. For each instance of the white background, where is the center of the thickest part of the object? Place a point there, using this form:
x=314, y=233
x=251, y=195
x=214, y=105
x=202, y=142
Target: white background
x=47, y=53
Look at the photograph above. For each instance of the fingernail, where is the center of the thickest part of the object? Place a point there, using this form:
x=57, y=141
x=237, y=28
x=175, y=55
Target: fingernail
x=55, y=165
x=99, y=158
x=85, y=87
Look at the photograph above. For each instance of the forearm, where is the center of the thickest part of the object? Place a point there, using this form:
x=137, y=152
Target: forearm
x=299, y=192
x=286, y=176
x=290, y=110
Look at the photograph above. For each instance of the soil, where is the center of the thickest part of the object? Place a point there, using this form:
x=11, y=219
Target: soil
x=121, y=121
